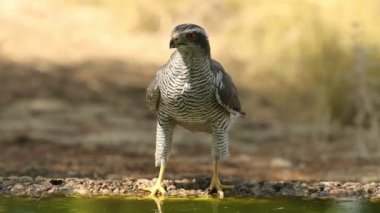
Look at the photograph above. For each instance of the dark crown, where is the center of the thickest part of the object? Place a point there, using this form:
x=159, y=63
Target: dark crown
x=202, y=40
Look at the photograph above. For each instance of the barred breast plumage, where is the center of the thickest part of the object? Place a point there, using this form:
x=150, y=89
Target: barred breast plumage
x=188, y=92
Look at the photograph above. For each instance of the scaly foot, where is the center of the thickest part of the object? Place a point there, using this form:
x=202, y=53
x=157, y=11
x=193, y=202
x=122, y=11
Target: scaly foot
x=215, y=184
x=158, y=187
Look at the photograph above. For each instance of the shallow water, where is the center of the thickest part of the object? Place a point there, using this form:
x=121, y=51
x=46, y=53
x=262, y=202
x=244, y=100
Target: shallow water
x=116, y=205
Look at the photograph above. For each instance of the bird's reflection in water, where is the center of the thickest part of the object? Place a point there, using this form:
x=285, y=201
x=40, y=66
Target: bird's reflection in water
x=214, y=204
x=160, y=201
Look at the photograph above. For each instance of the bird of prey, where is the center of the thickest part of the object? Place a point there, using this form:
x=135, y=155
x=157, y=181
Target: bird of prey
x=193, y=91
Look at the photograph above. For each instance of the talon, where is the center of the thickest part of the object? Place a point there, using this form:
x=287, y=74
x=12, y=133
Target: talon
x=158, y=187
x=221, y=194
x=215, y=184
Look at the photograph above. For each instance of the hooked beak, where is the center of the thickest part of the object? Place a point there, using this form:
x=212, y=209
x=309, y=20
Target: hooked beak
x=172, y=43
x=175, y=41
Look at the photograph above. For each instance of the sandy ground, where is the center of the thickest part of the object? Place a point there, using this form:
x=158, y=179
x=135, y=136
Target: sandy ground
x=90, y=120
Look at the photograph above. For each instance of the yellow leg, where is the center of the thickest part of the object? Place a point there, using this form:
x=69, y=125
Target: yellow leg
x=215, y=181
x=159, y=186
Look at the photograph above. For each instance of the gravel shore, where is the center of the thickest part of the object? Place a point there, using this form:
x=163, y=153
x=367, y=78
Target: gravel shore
x=44, y=187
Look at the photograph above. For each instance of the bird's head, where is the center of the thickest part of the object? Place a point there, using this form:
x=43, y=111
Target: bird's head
x=189, y=37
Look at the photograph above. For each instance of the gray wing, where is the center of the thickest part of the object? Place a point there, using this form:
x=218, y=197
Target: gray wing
x=153, y=92
x=226, y=92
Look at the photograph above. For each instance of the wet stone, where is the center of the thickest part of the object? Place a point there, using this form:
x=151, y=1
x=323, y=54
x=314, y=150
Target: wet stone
x=52, y=191
x=330, y=183
x=25, y=179
x=18, y=186
x=104, y=191
x=268, y=189
x=171, y=187
x=116, y=192
x=12, y=178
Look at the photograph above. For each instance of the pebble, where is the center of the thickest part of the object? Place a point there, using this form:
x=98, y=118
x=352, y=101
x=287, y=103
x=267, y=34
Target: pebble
x=104, y=191
x=171, y=187
x=41, y=186
x=17, y=186
x=25, y=179
x=51, y=191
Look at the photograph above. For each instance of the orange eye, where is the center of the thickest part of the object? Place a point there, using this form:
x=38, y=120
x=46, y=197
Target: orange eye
x=190, y=36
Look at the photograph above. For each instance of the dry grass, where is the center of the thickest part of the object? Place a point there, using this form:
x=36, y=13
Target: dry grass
x=297, y=57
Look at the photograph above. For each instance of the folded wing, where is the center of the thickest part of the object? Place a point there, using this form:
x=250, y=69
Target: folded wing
x=226, y=92
x=153, y=92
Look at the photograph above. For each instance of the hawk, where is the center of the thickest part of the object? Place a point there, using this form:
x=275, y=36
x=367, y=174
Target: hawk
x=193, y=91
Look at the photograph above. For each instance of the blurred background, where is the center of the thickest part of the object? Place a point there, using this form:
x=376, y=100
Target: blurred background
x=73, y=75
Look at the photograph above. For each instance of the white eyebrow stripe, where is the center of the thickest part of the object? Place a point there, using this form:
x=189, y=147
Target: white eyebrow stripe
x=196, y=30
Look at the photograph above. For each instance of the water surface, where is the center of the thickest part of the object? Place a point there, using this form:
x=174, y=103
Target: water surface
x=229, y=205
